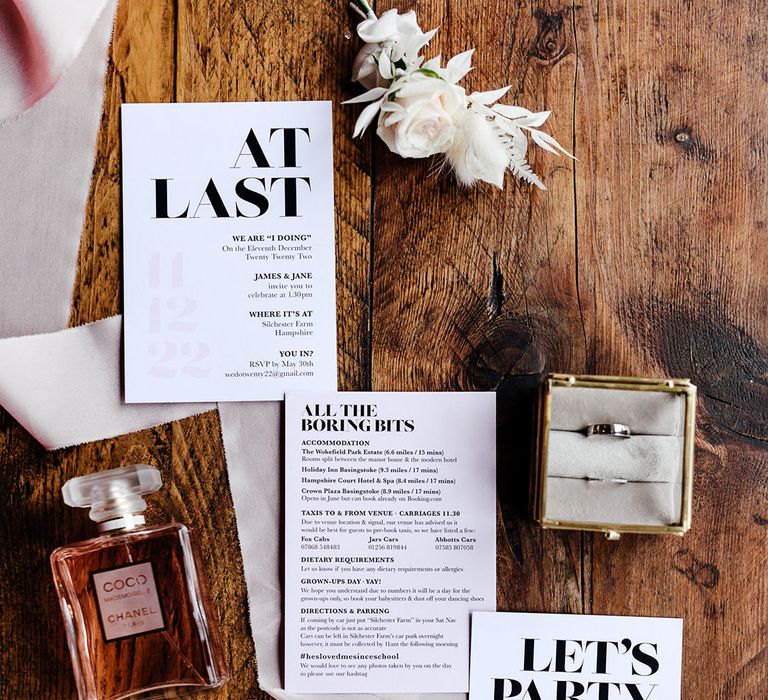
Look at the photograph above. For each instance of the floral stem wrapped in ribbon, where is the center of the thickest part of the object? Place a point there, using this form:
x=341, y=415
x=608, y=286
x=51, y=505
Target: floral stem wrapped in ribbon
x=421, y=110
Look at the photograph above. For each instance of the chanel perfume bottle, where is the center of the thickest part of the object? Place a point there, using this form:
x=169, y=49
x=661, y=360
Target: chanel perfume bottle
x=137, y=615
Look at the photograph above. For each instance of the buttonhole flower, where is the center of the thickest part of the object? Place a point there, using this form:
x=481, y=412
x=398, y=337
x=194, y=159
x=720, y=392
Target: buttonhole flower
x=421, y=111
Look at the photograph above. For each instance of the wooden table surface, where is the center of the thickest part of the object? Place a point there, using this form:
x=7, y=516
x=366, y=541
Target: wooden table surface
x=645, y=257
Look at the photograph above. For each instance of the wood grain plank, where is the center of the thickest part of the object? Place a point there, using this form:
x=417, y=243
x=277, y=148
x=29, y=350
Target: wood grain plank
x=294, y=51
x=645, y=263
x=34, y=661
x=162, y=52
x=239, y=52
x=477, y=289
x=671, y=200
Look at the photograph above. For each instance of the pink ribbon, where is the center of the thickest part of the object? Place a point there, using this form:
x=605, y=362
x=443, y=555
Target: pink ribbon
x=39, y=39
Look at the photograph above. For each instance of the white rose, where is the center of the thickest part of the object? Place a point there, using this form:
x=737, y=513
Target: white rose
x=394, y=35
x=420, y=121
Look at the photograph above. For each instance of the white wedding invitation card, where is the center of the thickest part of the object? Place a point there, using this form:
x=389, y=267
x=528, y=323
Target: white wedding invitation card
x=390, y=538
x=228, y=249
x=530, y=656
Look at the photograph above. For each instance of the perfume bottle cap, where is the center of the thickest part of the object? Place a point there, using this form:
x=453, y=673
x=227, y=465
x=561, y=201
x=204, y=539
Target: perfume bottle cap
x=113, y=493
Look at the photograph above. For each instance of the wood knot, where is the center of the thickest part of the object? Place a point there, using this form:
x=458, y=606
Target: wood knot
x=501, y=349
x=696, y=571
x=692, y=147
x=549, y=45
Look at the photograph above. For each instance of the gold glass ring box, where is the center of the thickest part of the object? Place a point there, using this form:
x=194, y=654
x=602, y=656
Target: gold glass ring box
x=614, y=454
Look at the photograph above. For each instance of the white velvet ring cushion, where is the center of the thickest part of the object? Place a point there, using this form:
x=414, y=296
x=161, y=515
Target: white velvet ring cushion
x=645, y=412
x=607, y=502
x=649, y=458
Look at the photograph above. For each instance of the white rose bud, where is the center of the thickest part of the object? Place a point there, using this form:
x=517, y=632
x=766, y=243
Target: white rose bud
x=365, y=69
x=397, y=36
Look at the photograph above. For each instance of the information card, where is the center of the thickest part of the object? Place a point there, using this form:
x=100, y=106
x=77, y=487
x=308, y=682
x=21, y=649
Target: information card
x=529, y=656
x=390, y=513
x=228, y=250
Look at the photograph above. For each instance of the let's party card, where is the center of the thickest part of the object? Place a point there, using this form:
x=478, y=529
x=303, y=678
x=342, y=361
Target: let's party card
x=528, y=656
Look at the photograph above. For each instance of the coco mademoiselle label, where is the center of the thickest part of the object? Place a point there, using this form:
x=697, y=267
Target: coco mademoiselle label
x=128, y=603
x=229, y=262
